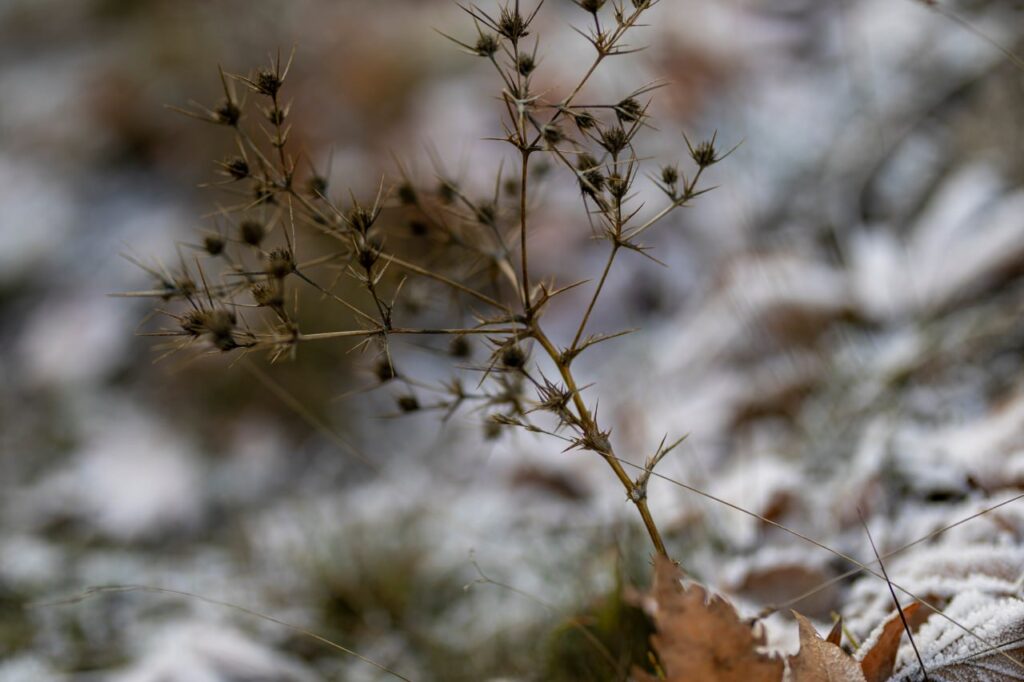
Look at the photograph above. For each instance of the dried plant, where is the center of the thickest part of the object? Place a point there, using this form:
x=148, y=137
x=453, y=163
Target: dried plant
x=239, y=293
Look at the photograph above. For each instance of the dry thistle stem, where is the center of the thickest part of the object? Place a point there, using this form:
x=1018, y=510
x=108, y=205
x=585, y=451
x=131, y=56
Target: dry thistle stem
x=238, y=296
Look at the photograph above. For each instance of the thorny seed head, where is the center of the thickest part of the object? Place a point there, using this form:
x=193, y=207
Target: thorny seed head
x=267, y=82
x=460, y=348
x=670, y=175
x=385, y=370
x=593, y=179
x=705, y=154
x=525, y=64
x=492, y=429
x=584, y=120
x=367, y=254
x=641, y=4
x=214, y=244
x=592, y=6
x=552, y=134
x=407, y=194
x=218, y=324
x=614, y=139
x=511, y=24
x=486, y=214
x=486, y=45
x=228, y=113
x=408, y=403
x=316, y=186
x=597, y=441
x=275, y=115
x=252, y=232
x=629, y=110
x=513, y=357
x=280, y=263
x=267, y=295
x=618, y=186
x=361, y=219
x=184, y=285
x=554, y=398
x=192, y=322
x=446, y=191
x=263, y=193
x=236, y=168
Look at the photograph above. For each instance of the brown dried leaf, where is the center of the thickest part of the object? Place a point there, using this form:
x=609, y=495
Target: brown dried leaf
x=821, y=661
x=835, y=635
x=700, y=636
x=878, y=662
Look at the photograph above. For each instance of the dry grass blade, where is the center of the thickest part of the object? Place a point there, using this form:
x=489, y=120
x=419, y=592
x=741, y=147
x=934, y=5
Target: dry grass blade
x=120, y=589
x=880, y=659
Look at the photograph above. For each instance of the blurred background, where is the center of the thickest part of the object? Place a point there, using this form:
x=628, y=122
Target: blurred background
x=839, y=328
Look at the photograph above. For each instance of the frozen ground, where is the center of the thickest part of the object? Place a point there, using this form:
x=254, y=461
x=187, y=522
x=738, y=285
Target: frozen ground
x=839, y=332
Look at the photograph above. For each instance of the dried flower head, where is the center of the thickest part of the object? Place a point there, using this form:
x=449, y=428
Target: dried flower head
x=486, y=45
x=407, y=194
x=408, y=403
x=592, y=178
x=236, y=168
x=525, y=64
x=213, y=244
x=614, y=139
x=267, y=82
x=228, y=113
x=316, y=186
x=280, y=263
x=629, y=110
x=252, y=232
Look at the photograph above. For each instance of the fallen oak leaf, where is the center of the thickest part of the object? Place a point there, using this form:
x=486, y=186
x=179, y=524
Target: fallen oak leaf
x=701, y=637
x=819, y=660
x=878, y=662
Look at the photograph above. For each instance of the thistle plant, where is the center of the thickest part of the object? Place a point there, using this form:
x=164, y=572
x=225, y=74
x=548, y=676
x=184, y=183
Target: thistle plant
x=237, y=293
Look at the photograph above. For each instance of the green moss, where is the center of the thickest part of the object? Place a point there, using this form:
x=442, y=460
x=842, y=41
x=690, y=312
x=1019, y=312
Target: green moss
x=601, y=644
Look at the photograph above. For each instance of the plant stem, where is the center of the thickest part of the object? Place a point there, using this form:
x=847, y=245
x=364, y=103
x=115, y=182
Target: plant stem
x=589, y=426
x=522, y=231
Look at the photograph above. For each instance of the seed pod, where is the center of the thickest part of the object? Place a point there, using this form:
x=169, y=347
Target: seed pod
x=460, y=348
x=513, y=357
x=385, y=371
x=228, y=113
x=252, y=232
x=267, y=82
x=408, y=403
x=280, y=263
x=214, y=244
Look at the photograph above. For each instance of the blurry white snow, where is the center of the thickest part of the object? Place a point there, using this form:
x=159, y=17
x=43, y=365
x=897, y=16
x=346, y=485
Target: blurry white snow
x=37, y=214
x=200, y=652
x=134, y=478
x=28, y=668
x=76, y=337
x=966, y=237
x=27, y=562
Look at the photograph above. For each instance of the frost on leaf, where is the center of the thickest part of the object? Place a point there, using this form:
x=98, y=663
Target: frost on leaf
x=821, y=661
x=994, y=654
x=702, y=638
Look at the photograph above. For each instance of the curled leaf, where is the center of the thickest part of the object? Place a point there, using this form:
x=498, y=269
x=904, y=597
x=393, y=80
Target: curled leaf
x=878, y=662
